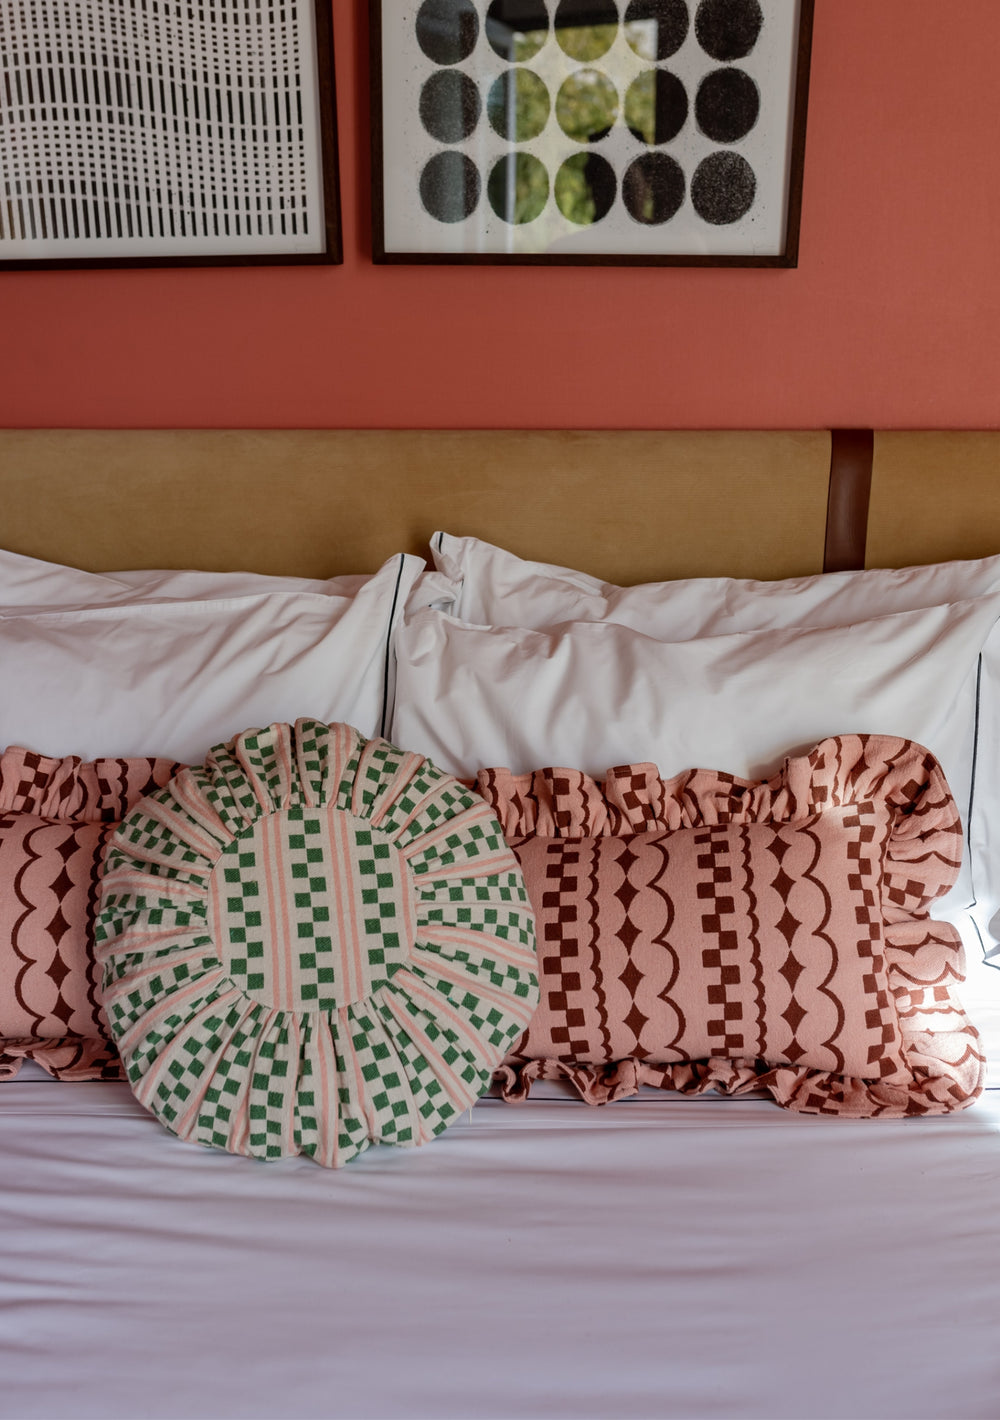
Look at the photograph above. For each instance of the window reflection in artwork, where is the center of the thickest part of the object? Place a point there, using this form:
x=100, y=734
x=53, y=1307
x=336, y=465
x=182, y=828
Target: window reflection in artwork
x=518, y=105
x=585, y=188
x=581, y=127
x=517, y=29
x=656, y=29
x=587, y=106
x=656, y=106
x=518, y=188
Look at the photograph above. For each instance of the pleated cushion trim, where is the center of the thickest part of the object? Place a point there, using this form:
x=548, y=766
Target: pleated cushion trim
x=313, y=943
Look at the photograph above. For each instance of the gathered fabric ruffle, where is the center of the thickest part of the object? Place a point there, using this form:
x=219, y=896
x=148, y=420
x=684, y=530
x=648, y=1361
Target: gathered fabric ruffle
x=66, y=1058
x=55, y=817
x=944, y=1062
x=381, y=1021
x=70, y=789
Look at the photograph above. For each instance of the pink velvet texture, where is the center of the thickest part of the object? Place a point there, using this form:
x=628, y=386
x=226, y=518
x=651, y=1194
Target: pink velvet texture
x=56, y=816
x=709, y=932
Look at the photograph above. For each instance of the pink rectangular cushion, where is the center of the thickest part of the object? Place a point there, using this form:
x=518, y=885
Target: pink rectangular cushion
x=56, y=816
x=714, y=932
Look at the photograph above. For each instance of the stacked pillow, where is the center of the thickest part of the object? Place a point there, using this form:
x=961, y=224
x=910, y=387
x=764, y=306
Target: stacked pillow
x=169, y=664
x=506, y=663
x=921, y=671
x=543, y=665
x=141, y=672
x=497, y=587
x=28, y=581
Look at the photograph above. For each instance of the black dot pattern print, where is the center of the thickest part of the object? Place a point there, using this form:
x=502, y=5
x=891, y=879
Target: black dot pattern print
x=543, y=124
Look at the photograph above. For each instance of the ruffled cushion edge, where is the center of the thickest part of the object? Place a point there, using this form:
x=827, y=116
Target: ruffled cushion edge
x=73, y=790
x=478, y=936
x=65, y=1058
x=69, y=789
x=924, y=958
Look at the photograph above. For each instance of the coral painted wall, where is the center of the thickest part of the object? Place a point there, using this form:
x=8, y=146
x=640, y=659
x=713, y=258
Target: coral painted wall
x=892, y=318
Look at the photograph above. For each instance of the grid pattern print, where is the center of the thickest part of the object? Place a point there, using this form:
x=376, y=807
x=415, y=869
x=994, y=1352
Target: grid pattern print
x=153, y=127
x=339, y=944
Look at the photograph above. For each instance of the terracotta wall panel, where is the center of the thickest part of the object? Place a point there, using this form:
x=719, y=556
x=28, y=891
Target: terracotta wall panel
x=892, y=319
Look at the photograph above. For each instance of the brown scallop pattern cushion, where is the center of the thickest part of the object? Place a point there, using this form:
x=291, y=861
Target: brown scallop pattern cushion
x=713, y=932
x=56, y=816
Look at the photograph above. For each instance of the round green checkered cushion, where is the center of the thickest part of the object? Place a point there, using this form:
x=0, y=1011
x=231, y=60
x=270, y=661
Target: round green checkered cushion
x=313, y=942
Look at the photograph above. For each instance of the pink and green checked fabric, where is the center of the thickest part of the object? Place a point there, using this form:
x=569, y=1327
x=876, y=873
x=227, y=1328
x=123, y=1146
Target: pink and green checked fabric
x=313, y=943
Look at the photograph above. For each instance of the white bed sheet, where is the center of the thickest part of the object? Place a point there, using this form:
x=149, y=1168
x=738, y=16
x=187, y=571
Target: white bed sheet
x=662, y=1257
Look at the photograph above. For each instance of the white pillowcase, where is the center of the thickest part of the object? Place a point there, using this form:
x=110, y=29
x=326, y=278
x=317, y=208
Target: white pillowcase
x=497, y=587
x=494, y=587
x=172, y=678
x=593, y=695
x=28, y=581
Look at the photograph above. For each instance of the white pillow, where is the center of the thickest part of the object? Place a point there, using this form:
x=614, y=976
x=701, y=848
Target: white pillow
x=594, y=695
x=173, y=678
x=496, y=588
x=28, y=581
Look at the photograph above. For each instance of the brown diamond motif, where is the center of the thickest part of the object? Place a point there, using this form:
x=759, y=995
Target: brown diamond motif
x=63, y=1011
x=58, y=971
x=793, y=1014
x=63, y=884
x=791, y=971
x=66, y=849
x=779, y=846
x=783, y=884
x=627, y=859
x=635, y=1021
x=627, y=894
x=627, y=934
x=58, y=926
x=787, y=924
x=631, y=978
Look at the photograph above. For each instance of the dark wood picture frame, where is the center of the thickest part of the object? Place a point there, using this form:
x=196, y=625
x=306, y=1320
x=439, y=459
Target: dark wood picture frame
x=327, y=203
x=787, y=257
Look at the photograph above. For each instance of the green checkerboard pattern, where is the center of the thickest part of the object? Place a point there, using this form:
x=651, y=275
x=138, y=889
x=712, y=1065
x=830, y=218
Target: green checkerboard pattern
x=334, y=952
x=312, y=944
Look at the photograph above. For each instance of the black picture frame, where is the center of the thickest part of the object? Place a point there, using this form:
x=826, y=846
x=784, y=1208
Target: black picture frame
x=401, y=70
x=303, y=229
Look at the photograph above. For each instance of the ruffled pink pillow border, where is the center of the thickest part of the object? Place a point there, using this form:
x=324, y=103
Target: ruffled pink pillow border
x=71, y=790
x=924, y=958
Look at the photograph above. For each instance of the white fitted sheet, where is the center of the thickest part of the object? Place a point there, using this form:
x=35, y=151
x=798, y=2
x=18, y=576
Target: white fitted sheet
x=661, y=1257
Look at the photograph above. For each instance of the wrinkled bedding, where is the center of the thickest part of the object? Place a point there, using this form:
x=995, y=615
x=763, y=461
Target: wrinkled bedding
x=661, y=1257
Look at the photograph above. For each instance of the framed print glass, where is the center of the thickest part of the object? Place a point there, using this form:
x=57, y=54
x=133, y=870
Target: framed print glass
x=654, y=132
x=167, y=133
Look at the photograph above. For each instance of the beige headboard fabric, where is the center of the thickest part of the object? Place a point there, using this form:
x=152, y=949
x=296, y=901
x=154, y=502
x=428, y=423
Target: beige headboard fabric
x=934, y=497
x=627, y=506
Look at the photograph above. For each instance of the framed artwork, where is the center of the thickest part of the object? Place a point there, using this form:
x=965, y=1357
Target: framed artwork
x=643, y=132
x=167, y=133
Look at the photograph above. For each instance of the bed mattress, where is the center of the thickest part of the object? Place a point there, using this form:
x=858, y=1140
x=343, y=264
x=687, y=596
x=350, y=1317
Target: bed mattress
x=661, y=1257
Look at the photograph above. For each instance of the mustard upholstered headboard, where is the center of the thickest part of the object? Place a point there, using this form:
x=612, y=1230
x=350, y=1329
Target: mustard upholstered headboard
x=627, y=506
